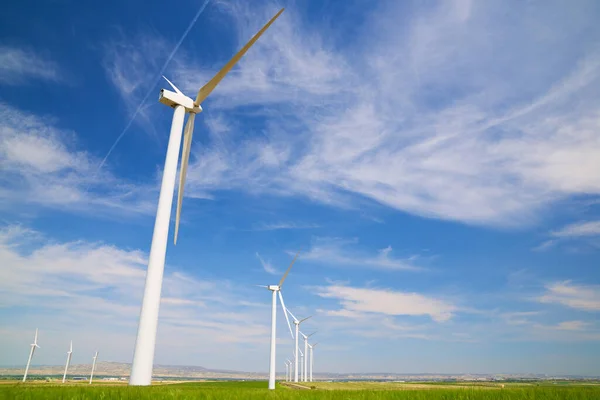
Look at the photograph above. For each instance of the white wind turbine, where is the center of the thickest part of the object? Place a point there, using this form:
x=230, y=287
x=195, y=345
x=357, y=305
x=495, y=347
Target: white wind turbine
x=93, y=366
x=276, y=289
x=304, y=366
x=69, y=354
x=312, y=358
x=288, y=371
x=33, y=347
x=297, y=323
x=141, y=369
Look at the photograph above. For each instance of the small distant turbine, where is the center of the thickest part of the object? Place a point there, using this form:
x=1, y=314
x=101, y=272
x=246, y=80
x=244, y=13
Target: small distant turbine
x=276, y=289
x=297, y=323
x=69, y=354
x=143, y=356
x=288, y=370
x=33, y=347
x=312, y=358
x=305, y=365
x=93, y=366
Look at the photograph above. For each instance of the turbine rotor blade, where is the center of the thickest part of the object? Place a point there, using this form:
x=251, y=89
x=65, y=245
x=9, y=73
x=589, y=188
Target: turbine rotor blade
x=302, y=320
x=173, y=86
x=185, y=158
x=295, y=319
x=312, y=334
x=205, y=90
x=285, y=312
x=288, y=270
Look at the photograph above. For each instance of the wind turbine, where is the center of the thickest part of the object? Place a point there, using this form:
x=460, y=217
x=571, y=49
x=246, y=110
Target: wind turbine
x=143, y=357
x=305, y=365
x=297, y=323
x=33, y=346
x=276, y=289
x=69, y=354
x=93, y=366
x=288, y=370
x=312, y=358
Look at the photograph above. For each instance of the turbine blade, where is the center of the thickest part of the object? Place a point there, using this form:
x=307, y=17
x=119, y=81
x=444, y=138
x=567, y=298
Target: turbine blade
x=71, y=346
x=302, y=320
x=173, y=86
x=205, y=90
x=315, y=344
x=36, y=335
x=263, y=286
x=288, y=270
x=312, y=334
x=185, y=158
x=285, y=313
x=295, y=319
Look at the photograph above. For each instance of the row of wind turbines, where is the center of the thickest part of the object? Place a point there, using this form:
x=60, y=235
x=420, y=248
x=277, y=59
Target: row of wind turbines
x=276, y=291
x=35, y=345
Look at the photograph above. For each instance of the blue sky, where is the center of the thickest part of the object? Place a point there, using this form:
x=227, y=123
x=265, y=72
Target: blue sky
x=437, y=163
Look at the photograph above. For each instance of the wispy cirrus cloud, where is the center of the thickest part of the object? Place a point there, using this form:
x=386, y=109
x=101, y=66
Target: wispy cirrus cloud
x=449, y=117
x=22, y=65
x=356, y=301
x=569, y=294
x=63, y=283
x=284, y=225
x=338, y=251
x=578, y=229
x=267, y=266
x=43, y=165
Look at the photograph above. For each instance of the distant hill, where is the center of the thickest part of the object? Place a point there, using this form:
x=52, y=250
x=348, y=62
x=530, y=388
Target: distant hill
x=116, y=369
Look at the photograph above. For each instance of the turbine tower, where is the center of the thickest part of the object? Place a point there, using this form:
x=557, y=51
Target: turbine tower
x=276, y=290
x=305, y=364
x=33, y=347
x=69, y=354
x=143, y=356
x=312, y=358
x=297, y=323
x=301, y=362
x=93, y=366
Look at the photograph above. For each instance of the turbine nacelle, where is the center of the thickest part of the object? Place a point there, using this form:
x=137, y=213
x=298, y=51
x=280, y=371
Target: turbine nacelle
x=274, y=288
x=173, y=99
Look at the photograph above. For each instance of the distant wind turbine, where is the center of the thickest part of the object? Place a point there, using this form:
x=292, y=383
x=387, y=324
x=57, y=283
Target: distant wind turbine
x=33, y=347
x=141, y=369
x=69, y=354
x=312, y=358
x=305, y=365
x=93, y=366
x=276, y=289
x=288, y=371
x=297, y=323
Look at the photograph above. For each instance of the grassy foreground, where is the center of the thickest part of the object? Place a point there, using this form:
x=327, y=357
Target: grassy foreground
x=334, y=391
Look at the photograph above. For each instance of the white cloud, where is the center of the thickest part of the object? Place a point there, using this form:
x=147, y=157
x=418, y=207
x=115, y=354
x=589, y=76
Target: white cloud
x=566, y=293
x=339, y=251
x=61, y=284
x=588, y=228
x=428, y=120
x=389, y=302
x=19, y=66
x=267, y=266
x=43, y=166
x=284, y=225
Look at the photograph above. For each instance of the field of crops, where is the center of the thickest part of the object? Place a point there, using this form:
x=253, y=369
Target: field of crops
x=320, y=391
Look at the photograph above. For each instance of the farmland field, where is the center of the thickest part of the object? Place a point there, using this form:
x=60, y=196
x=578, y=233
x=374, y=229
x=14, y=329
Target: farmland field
x=321, y=390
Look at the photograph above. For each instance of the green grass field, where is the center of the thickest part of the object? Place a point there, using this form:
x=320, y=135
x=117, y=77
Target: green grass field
x=322, y=391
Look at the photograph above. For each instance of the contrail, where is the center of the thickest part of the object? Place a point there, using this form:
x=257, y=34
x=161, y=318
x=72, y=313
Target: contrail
x=160, y=73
